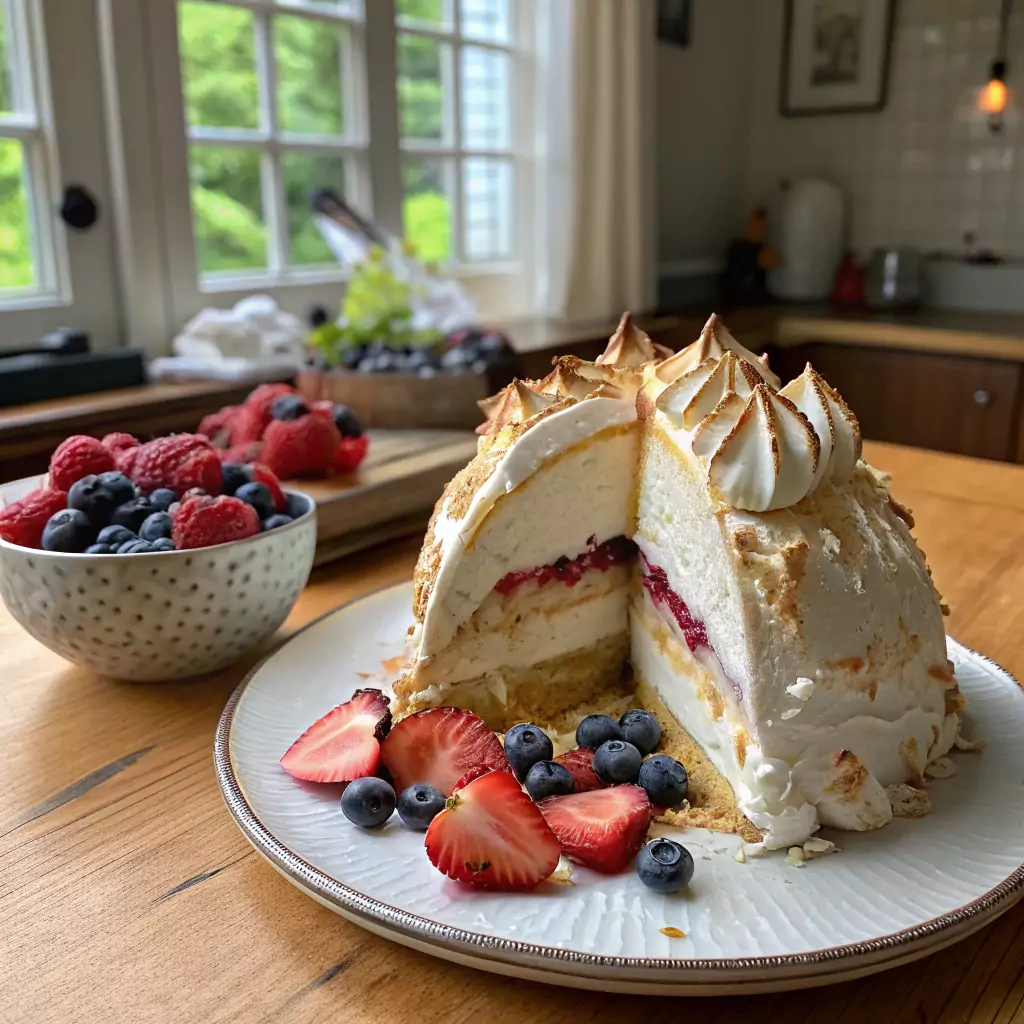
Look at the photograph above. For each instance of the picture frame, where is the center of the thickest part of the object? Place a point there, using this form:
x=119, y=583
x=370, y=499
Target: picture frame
x=674, y=17
x=835, y=56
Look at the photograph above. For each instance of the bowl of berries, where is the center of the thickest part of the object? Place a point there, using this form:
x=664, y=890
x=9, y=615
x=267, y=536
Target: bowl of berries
x=152, y=561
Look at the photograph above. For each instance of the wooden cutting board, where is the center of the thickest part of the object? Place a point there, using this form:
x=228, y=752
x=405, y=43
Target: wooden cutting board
x=393, y=492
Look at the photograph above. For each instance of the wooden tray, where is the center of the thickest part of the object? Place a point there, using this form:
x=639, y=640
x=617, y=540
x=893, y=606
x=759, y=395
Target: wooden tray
x=393, y=492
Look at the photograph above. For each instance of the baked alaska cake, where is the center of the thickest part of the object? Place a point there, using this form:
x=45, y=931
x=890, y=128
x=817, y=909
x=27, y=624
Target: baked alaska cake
x=689, y=534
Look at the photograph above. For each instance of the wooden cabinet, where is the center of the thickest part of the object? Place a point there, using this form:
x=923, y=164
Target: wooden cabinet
x=944, y=402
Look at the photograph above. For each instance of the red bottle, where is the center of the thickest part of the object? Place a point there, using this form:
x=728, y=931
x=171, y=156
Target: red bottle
x=848, y=289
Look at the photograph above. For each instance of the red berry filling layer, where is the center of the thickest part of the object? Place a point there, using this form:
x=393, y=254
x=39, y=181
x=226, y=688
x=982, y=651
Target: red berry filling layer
x=617, y=551
x=663, y=596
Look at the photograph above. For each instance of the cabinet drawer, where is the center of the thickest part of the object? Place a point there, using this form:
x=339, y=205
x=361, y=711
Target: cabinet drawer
x=948, y=403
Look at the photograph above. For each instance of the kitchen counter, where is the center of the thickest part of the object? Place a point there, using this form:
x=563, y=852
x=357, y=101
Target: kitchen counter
x=983, y=335
x=128, y=894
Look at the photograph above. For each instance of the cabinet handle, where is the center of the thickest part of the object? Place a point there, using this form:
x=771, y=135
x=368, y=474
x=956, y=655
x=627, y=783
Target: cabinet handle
x=982, y=397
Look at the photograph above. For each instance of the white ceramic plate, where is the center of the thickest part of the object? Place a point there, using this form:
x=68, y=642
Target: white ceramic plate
x=887, y=898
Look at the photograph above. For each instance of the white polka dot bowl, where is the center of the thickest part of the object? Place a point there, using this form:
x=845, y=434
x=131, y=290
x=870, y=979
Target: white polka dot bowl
x=157, y=617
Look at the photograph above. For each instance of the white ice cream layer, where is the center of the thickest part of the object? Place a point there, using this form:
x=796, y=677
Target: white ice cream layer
x=563, y=481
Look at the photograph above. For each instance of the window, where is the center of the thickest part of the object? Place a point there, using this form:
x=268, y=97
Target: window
x=50, y=276
x=455, y=90
x=269, y=99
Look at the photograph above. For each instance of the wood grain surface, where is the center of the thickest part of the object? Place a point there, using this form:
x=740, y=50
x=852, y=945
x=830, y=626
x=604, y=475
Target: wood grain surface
x=127, y=894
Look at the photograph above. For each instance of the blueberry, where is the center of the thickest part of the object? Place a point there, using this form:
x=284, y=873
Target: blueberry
x=163, y=544
x=259, y=496
x=162, y=499
x=233, y=476
x=100, y=549
x=456, y=359
x=419, y=805
x=132, y=514
x=548, y=778
x=346, y=422
x=90, y=496
x=664, y=780
x=525, y=745
x=641, y=729
x=68, y=531
x=135, y=547
x=115, y=536
x=597, y=729
x=368, y=802
x=119, y=485
x=617, y=761
x=664, y=866
x=288, y=407
x=156, y=527
x=276, y=521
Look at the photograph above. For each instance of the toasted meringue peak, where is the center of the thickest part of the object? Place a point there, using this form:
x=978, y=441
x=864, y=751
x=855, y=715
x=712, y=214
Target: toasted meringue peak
x=846, y=447
x=489, y=407
x=628, y=346
x=517, y=403
x=696, y=394
x=717, y=332
x=769, y=458
x=564, y=382
x=808, y=393
x=716, y=427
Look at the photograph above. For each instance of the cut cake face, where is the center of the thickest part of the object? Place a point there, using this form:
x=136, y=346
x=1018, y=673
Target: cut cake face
x=724, y=554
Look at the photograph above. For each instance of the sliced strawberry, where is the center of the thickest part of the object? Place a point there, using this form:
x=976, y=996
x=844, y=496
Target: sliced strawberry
x=473, y=773
x=344, y=744
x=603, y=829
x=580, y=763
x=490, y=833
x=439, y=746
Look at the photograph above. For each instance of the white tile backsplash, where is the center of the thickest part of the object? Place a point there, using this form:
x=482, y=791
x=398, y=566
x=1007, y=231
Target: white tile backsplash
x=925, y=169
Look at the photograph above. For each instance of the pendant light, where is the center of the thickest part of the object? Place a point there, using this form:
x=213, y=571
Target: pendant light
x=994, y=95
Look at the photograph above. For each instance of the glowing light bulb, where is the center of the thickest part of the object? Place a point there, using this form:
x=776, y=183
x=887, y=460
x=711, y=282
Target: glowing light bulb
x=993, y=97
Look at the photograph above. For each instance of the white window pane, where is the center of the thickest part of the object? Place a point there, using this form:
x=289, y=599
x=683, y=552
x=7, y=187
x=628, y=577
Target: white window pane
x=17, y=260
x=421, y=78
x=485, y=19
x=303, y=175
x=429, y=12
x=218, y=65
x=308, y=56
x=485, y=99
x=427, y=207
x=487, y=187
x=227, y=207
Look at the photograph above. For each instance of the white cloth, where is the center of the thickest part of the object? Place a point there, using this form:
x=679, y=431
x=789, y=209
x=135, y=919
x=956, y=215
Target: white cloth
x=600, y=103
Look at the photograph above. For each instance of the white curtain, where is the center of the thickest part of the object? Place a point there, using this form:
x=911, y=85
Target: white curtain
x=601, y=239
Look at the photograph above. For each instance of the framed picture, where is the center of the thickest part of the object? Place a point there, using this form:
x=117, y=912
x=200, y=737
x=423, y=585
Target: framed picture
x=835, y=57
x=674, y=21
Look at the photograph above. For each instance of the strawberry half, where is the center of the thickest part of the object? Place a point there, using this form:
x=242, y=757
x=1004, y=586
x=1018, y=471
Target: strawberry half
x=603, y=829
x=439, y=746
x=490, y=833
x=344, y=744
x=580, y=763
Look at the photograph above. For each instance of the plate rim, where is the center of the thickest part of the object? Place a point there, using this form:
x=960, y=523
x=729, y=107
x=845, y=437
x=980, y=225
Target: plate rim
x=554, y=959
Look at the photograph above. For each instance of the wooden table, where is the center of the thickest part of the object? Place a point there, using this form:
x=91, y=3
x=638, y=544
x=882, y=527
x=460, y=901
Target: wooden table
x=127, y=894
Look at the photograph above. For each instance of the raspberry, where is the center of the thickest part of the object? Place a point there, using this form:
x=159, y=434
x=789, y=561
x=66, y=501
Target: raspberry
x=180, y=462
x=325, y=407
x=125, y=460
x=76, y=457
x=217, y=426
x=302, y=447
x=203, y=522
x=119, y=442
x=23, y=521
x=241, y=453
x=262, y=475
x=350, y=453
x=252, y=418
